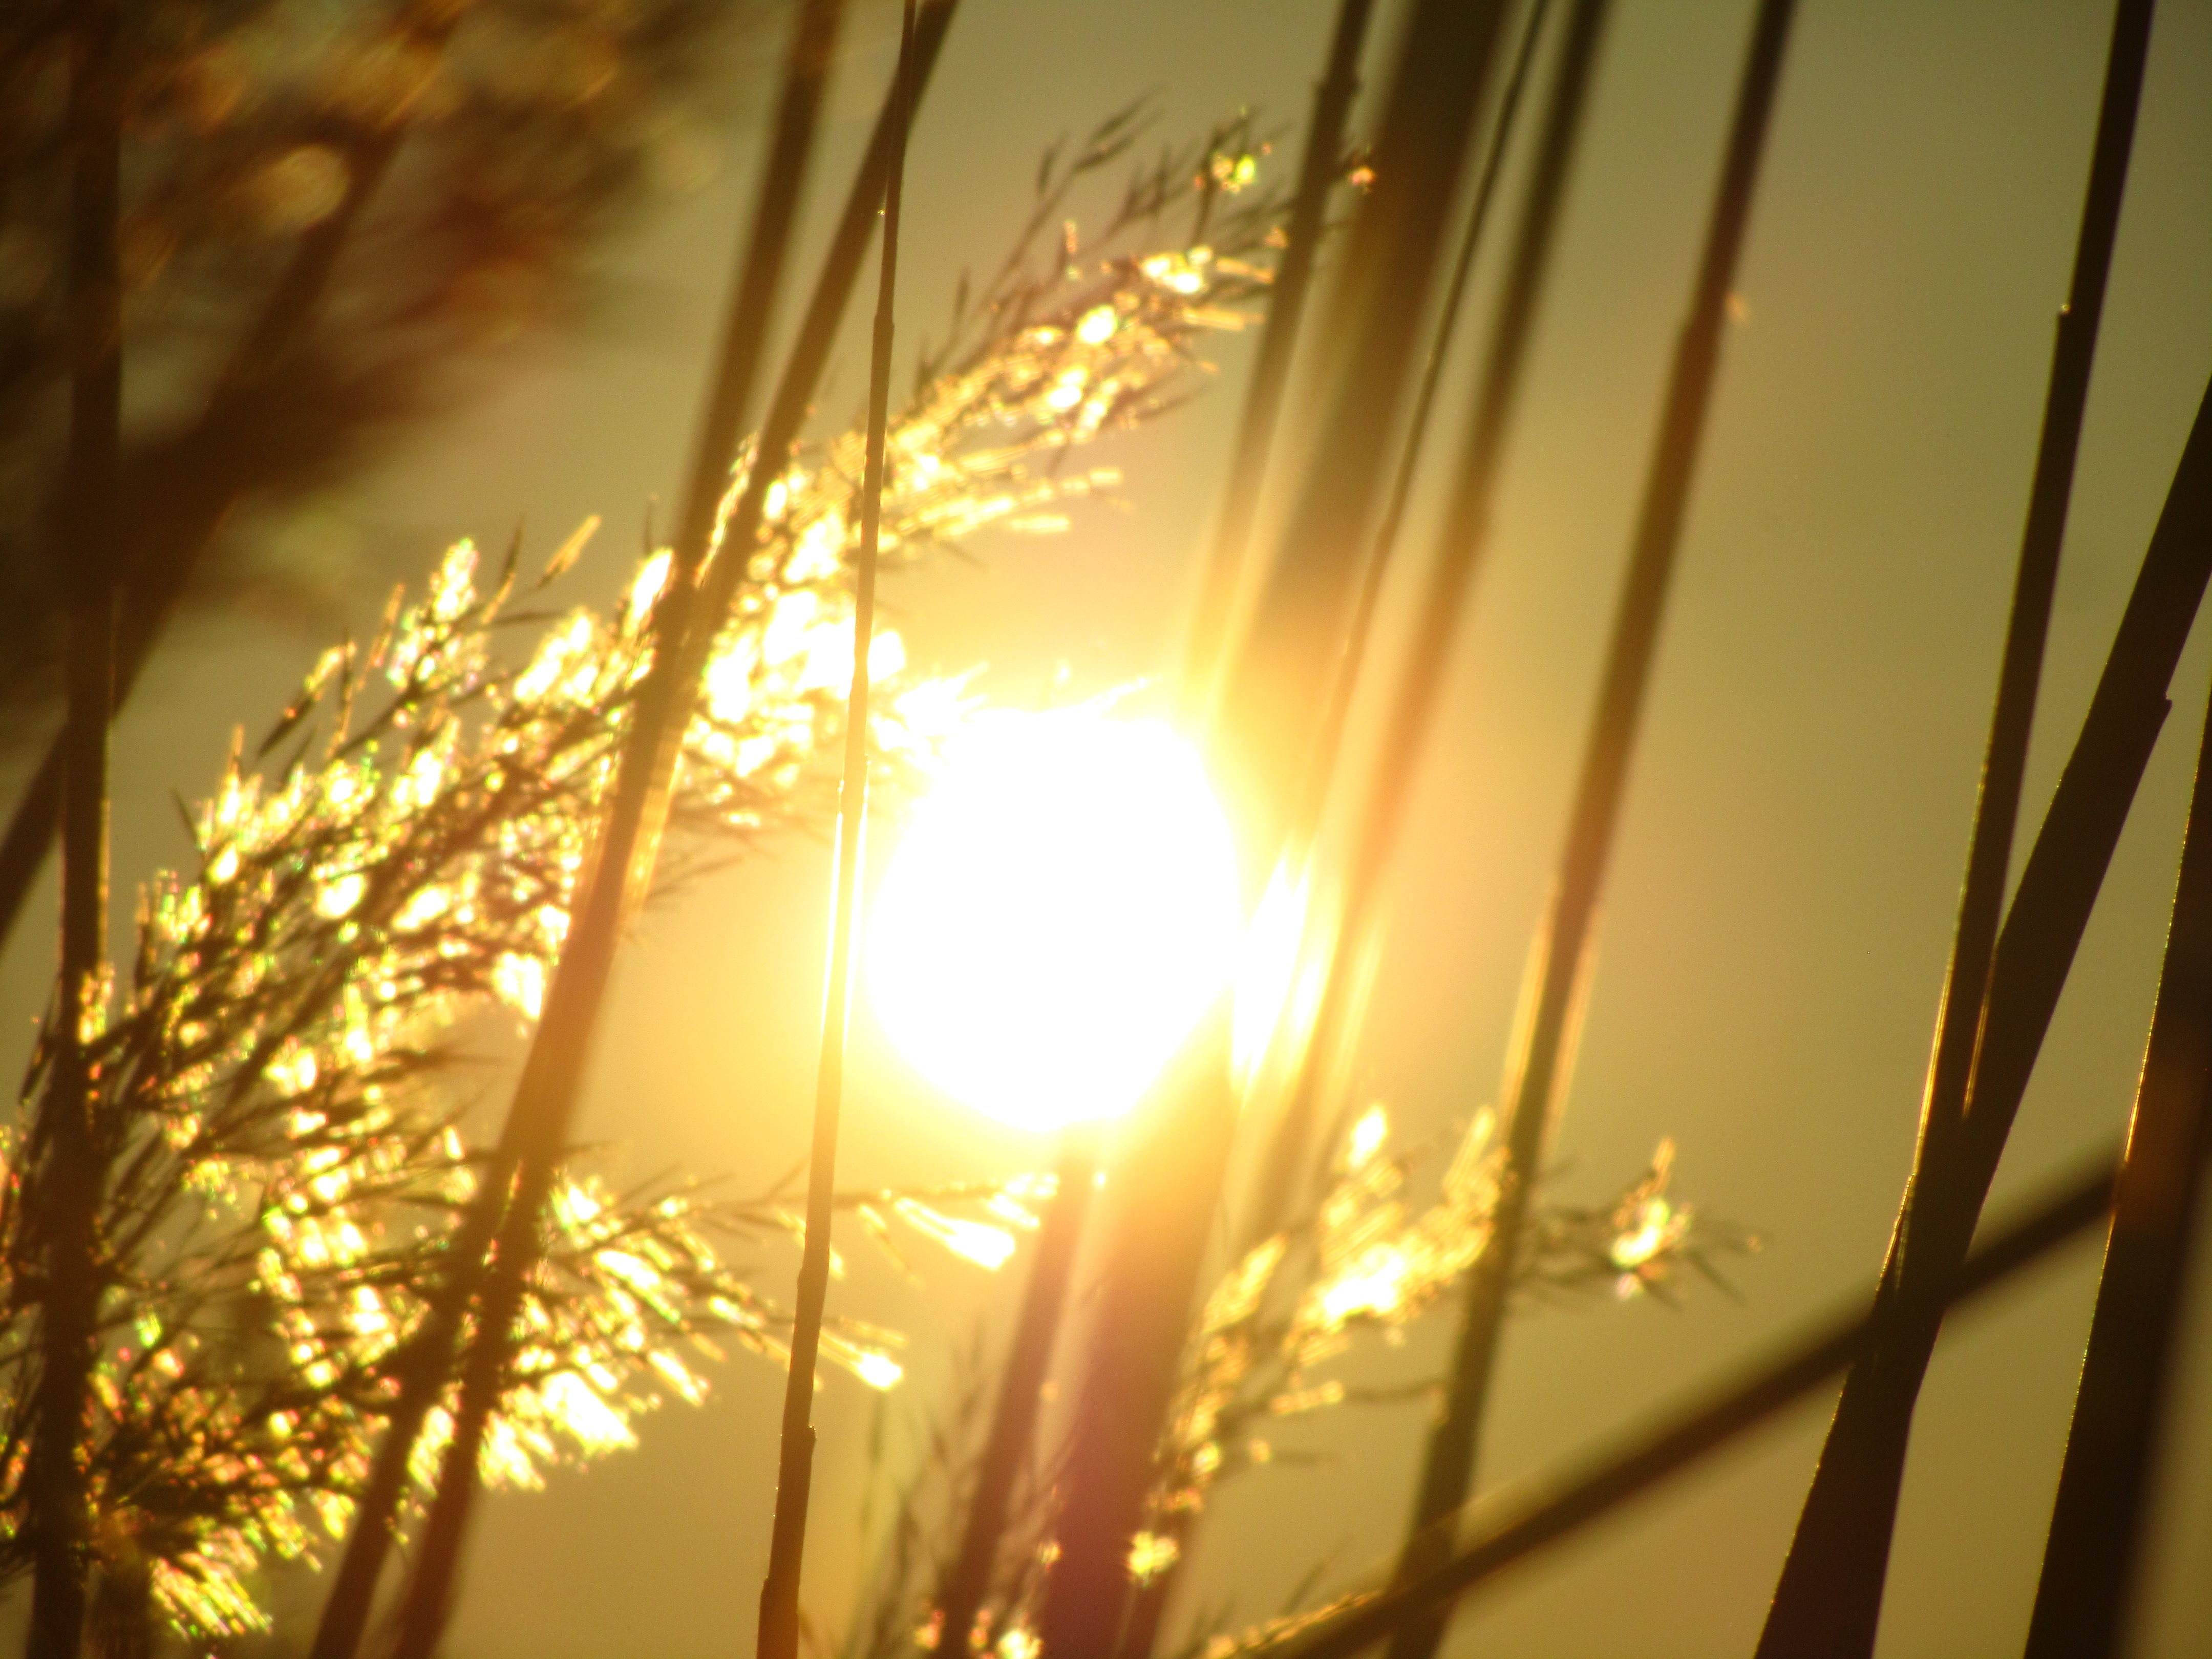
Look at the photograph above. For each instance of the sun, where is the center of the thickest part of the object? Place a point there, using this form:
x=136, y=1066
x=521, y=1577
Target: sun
x=1061, y=909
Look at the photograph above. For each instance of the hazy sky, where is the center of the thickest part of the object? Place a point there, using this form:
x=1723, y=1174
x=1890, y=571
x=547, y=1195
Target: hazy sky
x=1781, y=900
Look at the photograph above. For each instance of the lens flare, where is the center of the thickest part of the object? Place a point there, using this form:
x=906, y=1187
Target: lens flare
x=1059, y=911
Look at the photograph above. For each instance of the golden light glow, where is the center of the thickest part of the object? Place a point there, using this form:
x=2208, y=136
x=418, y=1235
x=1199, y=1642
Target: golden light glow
x=1061, y=909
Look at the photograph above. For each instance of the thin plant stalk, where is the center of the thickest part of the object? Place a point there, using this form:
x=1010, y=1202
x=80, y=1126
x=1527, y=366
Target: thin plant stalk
x=2096, y=1530
x=1328, y=740
x=1563, y=1504
x=1460, y=548
x=1275, y=690
x=1006, y=1448
x=1163, y=1198
x=786, y=415
x=779, y=1603
x=2042, y=929
x=1560, y=961
x=149, y=587
x=1319, y=173
x=430, y=1593
x=70, y=1172
x=1829, y=1598
x=536, y=1125
x=1169, y=1177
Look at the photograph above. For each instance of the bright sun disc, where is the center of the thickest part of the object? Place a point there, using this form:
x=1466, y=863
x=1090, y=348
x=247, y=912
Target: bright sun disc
x=1060, y=910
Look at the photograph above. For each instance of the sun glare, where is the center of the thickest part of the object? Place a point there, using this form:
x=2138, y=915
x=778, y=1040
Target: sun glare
x=1059, y=911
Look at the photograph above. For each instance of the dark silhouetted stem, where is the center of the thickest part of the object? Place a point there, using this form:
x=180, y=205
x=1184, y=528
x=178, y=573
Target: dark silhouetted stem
x=1565, y=1504
x=779, y=1603
x=2057, y=890
x=2088, y=1560
x=425, y=1374
x=1829, y=1598
x=1459, y=554
x=1318, y=176
x=1560, y=961
x=967, y=1583
x=538, y=1119
x=69, y=1171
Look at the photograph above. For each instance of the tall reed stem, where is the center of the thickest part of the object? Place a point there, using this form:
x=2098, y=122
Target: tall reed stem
x=69, y=1159
x=1562, y=1504
x=536, y=1130
x=1006, y=1448
x=1560, y=961
x=540, y=1138
x=1280, y=1186
x=1318, y=176
x=2035, y=951
x=779, y=1603
x=1829, y=1599
x=1277, y=684
x=1169, y=1178
x=2096, y=1529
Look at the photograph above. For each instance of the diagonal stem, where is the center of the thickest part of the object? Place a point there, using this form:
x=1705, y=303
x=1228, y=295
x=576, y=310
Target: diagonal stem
x=1559, y=1507
x=967, y=1582
x=1830, y=1593
x=1318, y=175
x=1841, y=1548
x=2088, y=1561
x=1558, y=969
x=536, y=1125
x=1460, y=548
x=779, y=1603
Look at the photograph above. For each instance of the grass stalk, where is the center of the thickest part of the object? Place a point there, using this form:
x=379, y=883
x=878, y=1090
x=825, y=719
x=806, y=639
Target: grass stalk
x=1319, y=173
x=430, y=1591
x=1006, y=1450
x=1166, y=1185
x=1564, y=952
x=1275, y=690
x=1320, y=770
x=2097, y=1524
x=786, y=415
x=1169, y=1179
x=1460, y=548
x=1832, y=1579
x=779, y=1603
x=1550, y=1509
x=2035, y=951
x=538, y=1119
x=69, y=1159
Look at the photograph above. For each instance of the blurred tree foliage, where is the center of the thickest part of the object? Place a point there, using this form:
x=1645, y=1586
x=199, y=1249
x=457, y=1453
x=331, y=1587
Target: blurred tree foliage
x=336, y=214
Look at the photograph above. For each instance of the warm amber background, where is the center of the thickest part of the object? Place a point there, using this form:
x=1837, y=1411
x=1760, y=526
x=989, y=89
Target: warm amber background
x=1780, y=904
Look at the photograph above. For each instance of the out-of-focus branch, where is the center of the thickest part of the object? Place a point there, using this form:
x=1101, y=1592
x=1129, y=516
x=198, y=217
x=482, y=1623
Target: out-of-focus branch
x=70, y=1165
x=176, y=498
